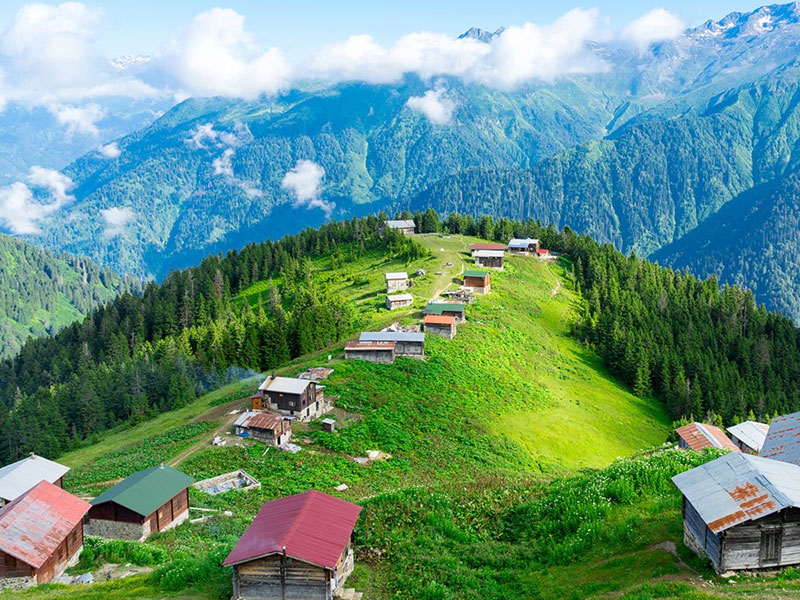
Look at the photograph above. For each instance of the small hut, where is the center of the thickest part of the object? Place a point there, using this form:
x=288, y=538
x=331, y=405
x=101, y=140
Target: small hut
x=17, y=478
x=443, y=325
x=399, y=300
x=296, y=547
x=477, y=281
x=489, y=259
x=397, y=281
x=266, y=427
x=485, y=246
x=749, y=436
x=452, y=309
x=406, y=343
x=523, y=245
x=702, y=435
x=405, y=226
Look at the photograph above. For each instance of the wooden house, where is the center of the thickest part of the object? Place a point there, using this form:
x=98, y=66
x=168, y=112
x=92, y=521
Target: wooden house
x=41, y=534
x=443, y=325
x=452, y=309
x=266, y=427
x=399, y=300
x=376, y=352
x=144, y=503
x=702, y=435
x=297, y=547
x=489, y=259
x=17, y=478
x=485, y=246
x=749, y=436
x=523, y=246
x=405, y=226
x=477, y=281
x=782, y=441
x=406, y=343
x=397, y=281
x=300, y=398
x=742, y=512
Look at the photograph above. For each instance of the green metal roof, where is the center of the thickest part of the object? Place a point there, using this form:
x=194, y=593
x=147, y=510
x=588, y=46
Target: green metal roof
x=475, y=273
x=437, y=308
x=145, y=491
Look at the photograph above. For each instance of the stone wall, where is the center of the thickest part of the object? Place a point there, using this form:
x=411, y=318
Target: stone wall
x=117, y=530
x=16, y=583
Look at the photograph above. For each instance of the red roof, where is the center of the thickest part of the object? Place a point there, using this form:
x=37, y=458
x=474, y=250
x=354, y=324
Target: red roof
x=312, y=526
x=487, y=246
x=439, y=320
x=264, y=421
x=370, y=345
x=701, y=435
x=36, y=523
x=542, y=251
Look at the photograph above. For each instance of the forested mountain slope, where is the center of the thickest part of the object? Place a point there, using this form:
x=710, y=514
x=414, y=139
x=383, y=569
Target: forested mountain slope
x=41, y=292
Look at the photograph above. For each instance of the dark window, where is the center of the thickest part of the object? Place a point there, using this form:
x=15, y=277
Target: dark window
x=771, y=545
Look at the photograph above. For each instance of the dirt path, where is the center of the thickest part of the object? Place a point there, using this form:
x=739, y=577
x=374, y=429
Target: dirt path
x=449, y=281
x=220, y=411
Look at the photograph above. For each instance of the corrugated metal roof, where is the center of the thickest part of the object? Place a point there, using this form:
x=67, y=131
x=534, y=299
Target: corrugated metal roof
x=398, y=275
x=312, y=526
x=782, y=441
x=476, y=273
x=701, y=435
x=36, y=523
x=400, y=224
x=400, y=298
x=521, y=242
x=17, y=478
x=369, y=346
x=439, y=320
x=391, y=336
x=145, y=491
x=751, y=433
x=259, y=420
x=284, y=385
x=488, y=253
x=437, y=308
x=487, y=246
x=739, y=487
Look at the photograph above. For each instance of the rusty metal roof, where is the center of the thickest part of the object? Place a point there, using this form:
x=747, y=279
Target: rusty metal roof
x=702, y=435
x=739, y=487
x=783, y=439
x=439, y=320
x=751, y=433
x=17, y=478
x=259, y=420
x=35, y=524
x=487, y=246
x=313, y=527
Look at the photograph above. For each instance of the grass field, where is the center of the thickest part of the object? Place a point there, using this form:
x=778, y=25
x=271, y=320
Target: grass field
x=492, y=490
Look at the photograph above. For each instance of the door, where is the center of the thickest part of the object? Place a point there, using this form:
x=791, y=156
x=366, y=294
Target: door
x=770, y=547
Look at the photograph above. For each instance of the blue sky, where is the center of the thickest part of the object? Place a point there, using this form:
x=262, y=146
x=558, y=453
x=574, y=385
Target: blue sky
x=299, y=27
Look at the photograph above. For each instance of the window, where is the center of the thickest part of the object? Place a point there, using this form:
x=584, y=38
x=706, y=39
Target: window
x=770, y=545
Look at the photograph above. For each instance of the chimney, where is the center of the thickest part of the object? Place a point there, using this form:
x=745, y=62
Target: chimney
x=32, y=455
x=161, y=465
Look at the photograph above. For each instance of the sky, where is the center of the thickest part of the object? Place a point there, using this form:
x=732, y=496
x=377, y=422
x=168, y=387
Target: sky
x=299, y=27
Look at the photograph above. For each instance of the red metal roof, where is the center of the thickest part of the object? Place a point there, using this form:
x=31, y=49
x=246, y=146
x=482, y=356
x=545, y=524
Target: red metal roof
x=701, y=435
x=312, y=526
x=36, y=523
x=439, y=320
x=264, y=421
x=487, y=246
x=542, y=251
x=370, y=345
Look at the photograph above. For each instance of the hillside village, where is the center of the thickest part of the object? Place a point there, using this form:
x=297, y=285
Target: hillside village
x=741, y=511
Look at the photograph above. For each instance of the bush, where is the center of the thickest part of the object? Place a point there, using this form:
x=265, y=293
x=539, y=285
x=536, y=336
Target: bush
x=98, y=551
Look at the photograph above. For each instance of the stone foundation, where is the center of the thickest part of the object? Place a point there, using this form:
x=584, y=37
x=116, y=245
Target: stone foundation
x=16, y=583
x=116, y=530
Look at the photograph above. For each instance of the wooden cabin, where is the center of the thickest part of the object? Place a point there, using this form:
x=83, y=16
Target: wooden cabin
x=303, y=399
x=144, y=503
x=477, y=281
x=405, y=226
x=697, y=436
x=376, y=352
x=406, y=343
x=296, y=547
x=523, y=246
x=749, y=436
x=266, y=427
x=399, y=300
x=41, y=534
x=397, y=281
x=489, y=259
x=443, y=325
x=485, y=246
x=782, y=441
x=742, y=512
x=17, y=478
x=452, y=309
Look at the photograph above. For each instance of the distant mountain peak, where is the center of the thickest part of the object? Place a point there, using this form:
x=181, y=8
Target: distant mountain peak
x=761, y=20
x=482, y=35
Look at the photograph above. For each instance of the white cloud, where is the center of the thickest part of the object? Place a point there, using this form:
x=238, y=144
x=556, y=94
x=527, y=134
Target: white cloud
x=434, y=105
x=79, y=119
x=304, y=181
x=654, y=26
x=115, y=219
x=204, y=136
x=111, y=150
x=223, y=165
x=217, y=56
x=20, y=213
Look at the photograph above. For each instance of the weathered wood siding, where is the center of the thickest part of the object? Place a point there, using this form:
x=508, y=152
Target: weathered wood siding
x=414, y=349
x=746, y=545
x=11, y=567
x=489, y=262
x=294, y=403
x=376, y=356
x=704, y=538
x=447, y=331
x=281, y=578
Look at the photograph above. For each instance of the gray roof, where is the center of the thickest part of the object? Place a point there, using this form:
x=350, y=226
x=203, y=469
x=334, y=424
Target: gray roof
x=398, y=275
x=781, y=442
x=400, y=224
x=751, y=433
x=285, y=385
x=487, y=253
x=391, y=336
x=739, y=487
x=400, y=297
x=17, y=478
x=521, y=242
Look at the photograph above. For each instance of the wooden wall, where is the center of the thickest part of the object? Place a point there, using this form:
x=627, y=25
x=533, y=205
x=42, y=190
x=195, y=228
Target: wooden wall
x=265, y=579
x=53, y=566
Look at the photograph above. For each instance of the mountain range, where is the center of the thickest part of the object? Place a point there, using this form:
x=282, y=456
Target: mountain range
x=640, y=154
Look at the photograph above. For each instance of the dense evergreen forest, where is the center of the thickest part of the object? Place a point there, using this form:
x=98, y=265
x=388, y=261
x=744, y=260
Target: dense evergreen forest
x=141, y=355
x=41, y=292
